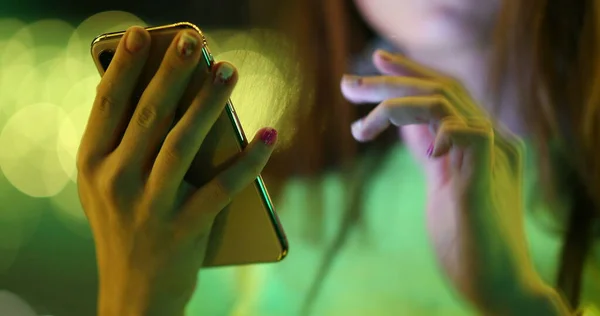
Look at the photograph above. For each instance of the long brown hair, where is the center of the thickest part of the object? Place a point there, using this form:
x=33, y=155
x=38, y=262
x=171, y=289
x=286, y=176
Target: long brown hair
x=554, y=46
x=552, y=43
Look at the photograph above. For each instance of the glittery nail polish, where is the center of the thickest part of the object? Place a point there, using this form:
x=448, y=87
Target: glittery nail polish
x=268, y=136
x=224, y=73
x=186, y=45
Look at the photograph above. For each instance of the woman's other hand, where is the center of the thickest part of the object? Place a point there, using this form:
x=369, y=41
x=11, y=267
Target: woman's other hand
x=473, y=170
x=150, y=230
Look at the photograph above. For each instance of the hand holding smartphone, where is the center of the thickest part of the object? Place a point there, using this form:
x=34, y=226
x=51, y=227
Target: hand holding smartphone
x=248, y=230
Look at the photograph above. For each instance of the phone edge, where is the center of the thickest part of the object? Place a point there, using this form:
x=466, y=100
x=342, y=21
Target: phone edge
x=232, y=115
x=243, y=142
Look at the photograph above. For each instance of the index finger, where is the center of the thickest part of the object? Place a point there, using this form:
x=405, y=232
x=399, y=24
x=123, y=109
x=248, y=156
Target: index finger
x=107, y=119
x=375, y=89
x=395, y=64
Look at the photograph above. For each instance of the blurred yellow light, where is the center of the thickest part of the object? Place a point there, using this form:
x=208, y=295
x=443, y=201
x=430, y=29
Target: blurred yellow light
x=47, y=87
x=28, y=156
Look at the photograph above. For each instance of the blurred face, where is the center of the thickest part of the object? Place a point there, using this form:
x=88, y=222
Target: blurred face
x=416, y=25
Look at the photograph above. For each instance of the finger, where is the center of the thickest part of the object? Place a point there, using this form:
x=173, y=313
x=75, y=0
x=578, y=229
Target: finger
x=402, y=112
x=160, y=98
x=184, y=140
x=378, y=88
x=208, y=201
x=385, y=63
x=474, y=137
x=102, y=133
x=397, y=64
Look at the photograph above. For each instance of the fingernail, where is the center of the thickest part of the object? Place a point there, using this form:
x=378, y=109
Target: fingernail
x=268, y=136
x=356, y=125
x=135, y=40
x=187, y=44
x=430, y=150
x=359, y=132
x=224, y=73
x=353, y=80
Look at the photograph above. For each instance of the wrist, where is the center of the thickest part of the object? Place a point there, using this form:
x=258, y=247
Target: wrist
x=138, y=299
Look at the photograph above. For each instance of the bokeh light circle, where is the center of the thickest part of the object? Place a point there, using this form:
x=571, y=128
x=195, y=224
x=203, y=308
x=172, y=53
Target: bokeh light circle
x=78, y=46
x=13, y=305
x=78, y=104
x=28, y=157
x=67, y=208
x=260, y=96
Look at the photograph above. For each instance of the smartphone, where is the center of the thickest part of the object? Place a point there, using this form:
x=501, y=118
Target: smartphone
x=248, y=230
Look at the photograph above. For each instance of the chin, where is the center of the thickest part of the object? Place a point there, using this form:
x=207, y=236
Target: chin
x=433, y=38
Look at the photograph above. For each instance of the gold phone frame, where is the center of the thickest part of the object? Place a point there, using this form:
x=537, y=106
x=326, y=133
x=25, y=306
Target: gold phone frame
x=233, y=118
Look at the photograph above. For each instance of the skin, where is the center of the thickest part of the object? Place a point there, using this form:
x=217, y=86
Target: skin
x=433, y=94
x=452, y=37
x=150, y=228
x=150, y=241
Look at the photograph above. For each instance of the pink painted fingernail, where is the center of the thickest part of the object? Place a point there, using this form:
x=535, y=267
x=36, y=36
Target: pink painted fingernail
x=268, y=136
x=187, y=44
x=430, y=150
x=224, y=73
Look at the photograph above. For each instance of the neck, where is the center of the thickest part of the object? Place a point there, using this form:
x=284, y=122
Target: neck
x=468, y=66
x=471, y=68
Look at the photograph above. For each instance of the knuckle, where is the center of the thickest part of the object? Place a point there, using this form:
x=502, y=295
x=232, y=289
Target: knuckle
x=450, y=84
x=218, y=191
x=105, y=104
x=437, y=87
x=171, y=66
x=83, y=163
x=441, y=107
x=105, y=99
x=451, y=123
x=112, y=183
x=444, y=90
x=440, y=99
x=171, y=155
x=147, y=116
x=387, y=106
